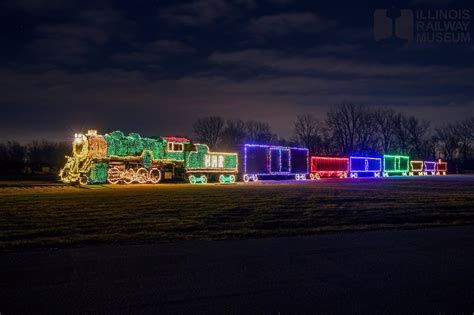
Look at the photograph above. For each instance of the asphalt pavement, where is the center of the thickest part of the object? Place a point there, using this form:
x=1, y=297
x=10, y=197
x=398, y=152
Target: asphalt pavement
x=407, y=271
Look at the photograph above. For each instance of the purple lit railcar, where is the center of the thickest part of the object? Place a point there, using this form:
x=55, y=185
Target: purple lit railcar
x=275, y=161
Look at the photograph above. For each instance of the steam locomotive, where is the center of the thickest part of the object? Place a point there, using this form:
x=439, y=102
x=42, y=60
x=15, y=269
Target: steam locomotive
x=119, y=158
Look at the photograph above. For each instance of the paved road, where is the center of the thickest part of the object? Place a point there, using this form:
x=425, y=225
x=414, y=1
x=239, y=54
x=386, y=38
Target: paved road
x=428, y=271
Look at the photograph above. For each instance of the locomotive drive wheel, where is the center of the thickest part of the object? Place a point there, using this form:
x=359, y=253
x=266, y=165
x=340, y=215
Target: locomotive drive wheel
x=155, y=175
x=129, y=176
x=142, y=175
x=113, y=175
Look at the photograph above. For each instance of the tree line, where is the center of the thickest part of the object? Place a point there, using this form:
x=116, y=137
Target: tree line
x=345, y=129
x=350, y=129
x=37, y=156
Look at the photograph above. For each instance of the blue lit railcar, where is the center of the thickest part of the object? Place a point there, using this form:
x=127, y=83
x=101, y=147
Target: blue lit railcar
x=268, y=160
x=365, y=166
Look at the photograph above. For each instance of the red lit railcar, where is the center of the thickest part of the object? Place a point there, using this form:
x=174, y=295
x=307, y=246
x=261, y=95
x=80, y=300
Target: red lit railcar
x=322, y=166
x=441, y=167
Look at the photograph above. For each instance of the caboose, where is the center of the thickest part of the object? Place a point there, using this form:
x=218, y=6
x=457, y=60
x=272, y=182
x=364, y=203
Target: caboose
x=116, y=158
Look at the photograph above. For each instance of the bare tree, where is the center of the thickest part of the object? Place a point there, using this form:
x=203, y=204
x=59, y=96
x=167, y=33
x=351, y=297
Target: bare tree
x=46, y=153
x=12, y=156
x=385, y=120
x=234, y=134
x=208, y=130
x=448, y=141
x=465, y=135
x=352, y=128
x=259, y=132
x=417, y=131
x=402, y=134
x=307, y=132
x=327, y=146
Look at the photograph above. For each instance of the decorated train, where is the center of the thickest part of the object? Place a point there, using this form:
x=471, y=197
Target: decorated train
x=118, y=158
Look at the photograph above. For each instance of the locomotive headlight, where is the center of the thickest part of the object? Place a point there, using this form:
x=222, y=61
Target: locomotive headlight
x=80, y=146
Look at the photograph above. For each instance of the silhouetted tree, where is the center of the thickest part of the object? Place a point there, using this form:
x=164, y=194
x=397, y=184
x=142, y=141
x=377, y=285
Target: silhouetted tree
x=385, y=121
x=233, y=135
x=12, y=157
x=352, y=128
x=465, y=135
x=46, y=153
x=306, y=129
x=418, y=141
x=447, y=141
x=208, y=130
x=259, y=132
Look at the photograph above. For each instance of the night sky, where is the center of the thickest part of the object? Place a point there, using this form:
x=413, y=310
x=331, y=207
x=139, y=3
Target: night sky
x=153, y=67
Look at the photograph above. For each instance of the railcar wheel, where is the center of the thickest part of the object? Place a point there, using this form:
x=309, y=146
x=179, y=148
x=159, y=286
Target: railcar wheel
x=113, y=175
x=317, y=176
x=246, y=178
x=255, y=178
x=129, y=176
x=192, y=179
x=221, y=179
x=204, y=179
x=142, y=175
x=155, y=176
x=311, y=176
x=232, y=178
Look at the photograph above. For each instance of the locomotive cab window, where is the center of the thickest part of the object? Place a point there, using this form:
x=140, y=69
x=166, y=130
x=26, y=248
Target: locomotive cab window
x=175, y=147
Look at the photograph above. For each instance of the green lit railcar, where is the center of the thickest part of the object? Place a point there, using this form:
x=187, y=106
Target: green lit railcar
x=202, y=165
x=119, y=158
x=396, y=165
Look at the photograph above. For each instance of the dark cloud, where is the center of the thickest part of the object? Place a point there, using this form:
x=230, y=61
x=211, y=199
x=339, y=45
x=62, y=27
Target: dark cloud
x=153, y=53
x=115, y=65
x=202, y=12
x=73, y=42
x=288, y=23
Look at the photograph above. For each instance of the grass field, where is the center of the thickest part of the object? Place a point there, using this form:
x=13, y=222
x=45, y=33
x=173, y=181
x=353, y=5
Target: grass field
x=41, y=216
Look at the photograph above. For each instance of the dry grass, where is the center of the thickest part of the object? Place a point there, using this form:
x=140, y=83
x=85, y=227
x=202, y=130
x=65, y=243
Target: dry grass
x=59, y=216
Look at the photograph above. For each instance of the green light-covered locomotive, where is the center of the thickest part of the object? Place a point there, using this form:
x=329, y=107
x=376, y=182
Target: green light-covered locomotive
x=119, y=158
